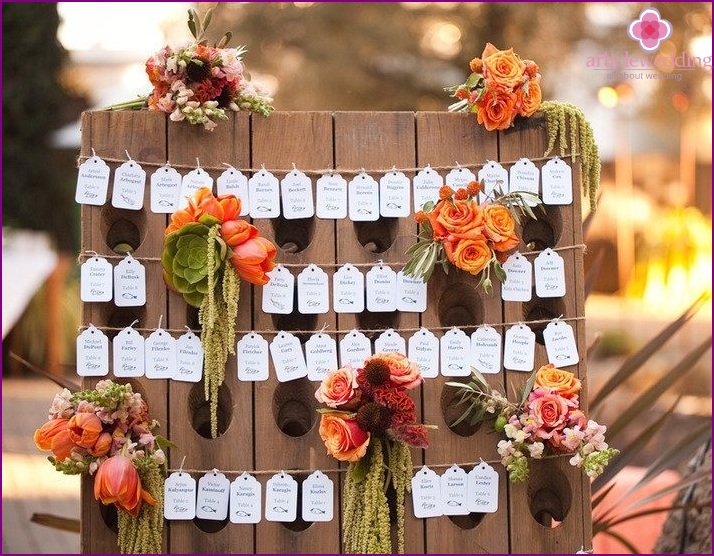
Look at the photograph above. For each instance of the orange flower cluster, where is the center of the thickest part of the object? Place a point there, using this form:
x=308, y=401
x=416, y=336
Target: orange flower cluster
x=501, y=87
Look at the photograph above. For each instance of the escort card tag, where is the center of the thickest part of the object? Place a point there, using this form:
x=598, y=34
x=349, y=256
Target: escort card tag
x=557, y=178
x=354, y=349
x=129, y=283
x=317, y=497
x=494, y=178
x=348, y=290
x=518, y=285
x=281, y=493
x=279, y=292
x=394, y=195
x=129, y=184
x=288, y=358
x=426, y=187
x=189, y=358
x=264, y=195
x=411, y=294
x=426, y=493
x=363, y=198
x=486, y=350
x=390, y=341
x=519, y=348
x=320, y=356
x=331, y=197
x=96, y=280
x=192, y=182
x=424, y=351
x=252, y=357
x=524, y=177
x=458, y=177
x=381, y=283
x=455, y=352
x=179, y=496
x=92, y=182
x=92, y=353
x=245, y=499
x=549, y=274
x=128, y=353
x=160, y=355
x=234, y=182
x=482, y=489
x=454, y=490
x=165, y=190
x=313, y=291
x=560, y=344
x=213, y=496
x=296, y=191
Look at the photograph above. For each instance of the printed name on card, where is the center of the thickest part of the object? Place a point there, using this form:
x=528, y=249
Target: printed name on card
x=482, y=489
x=363, y=198
x=455, y=350
x=355, y=347
x=394, y=196
x=317, y=497
x=454, y=491
x=165, y=186
x=179, y=496
x=96, y=280
x=525, y=177
x=279, y=292
x=381, y=282
x=549, y=271
x=281, y=492
x=160, y=355
x=288, y=358
x=264, y=195
x=519, y=348
x=426, y=186
x=458, y=177
x=557, y=182
x=390, y=341
x=313, y=291
x=252, y=357
x=189, y=358
x=518, y=285
x=426, y=493
x=320, y=356
x=234, y=182
x=245, y=499
x=424, y=351
x=192, y=182
x=92, y=352
x=128, y=353
x=129, y=185
x=560, y=344
x=213, y=496
x=411, y=294
x=92, y=182
x=348, y=290
x=494, y=178
x=331, y=201
x=296, y=190
x=129, y=283
x=486, y=350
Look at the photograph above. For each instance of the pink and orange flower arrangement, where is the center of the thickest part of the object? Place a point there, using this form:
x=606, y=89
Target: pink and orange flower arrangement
x=500, y=87
x=371, y=423
x=107, y=432
x=207, y=249
x=547, y=421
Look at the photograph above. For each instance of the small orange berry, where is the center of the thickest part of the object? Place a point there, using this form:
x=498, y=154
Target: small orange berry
x=476, y=65
x=461, y=194
x=474, y=188
x=421, y=217
x=445, y=192
x=462, y=93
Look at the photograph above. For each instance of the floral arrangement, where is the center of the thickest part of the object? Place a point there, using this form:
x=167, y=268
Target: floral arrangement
x=547, y=420
x=207, y=249
x=198, y=82
x=500, y=87
x=107, y=432
x=370, y=423
x=471, y=236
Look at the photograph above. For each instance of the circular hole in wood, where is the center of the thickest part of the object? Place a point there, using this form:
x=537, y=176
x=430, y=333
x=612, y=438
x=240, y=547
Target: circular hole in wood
x=469, y=521
x=294, y=407
x=452, y=408
x=542, y=309
x=199, y=408
x=110, y=516
x=121, y=317
x=460, y=305
x=124, y=231
x=293, y=236
x=377, y=321
x=296, y=321
x=377, y=236
x=299, y=524
x=545, y=231
x=210, y=525
x=549, y=495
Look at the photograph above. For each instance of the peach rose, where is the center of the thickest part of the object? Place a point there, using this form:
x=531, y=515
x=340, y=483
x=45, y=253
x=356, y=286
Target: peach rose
x=460, y=216
x=338, y=387
x=496, y=110
x=471, y=255
x=402, y=371
x=549, y=411
x=343, y=437
x=505, y=68
x=557, y=380
x=500, y=227
x=531, y=102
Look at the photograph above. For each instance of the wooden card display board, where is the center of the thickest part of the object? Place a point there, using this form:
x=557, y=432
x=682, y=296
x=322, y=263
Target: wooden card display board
x=270, y=425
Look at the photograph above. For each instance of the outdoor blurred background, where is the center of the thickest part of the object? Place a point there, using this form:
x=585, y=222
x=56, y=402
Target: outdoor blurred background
x=650, y=239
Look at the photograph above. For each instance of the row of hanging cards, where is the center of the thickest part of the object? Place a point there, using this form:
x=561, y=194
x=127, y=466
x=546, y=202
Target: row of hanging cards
x=363, y=198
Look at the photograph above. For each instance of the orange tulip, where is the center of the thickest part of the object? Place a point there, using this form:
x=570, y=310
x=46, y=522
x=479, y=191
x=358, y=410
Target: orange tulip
x=44, y=435
x=235, y=232
x=84, y=429
x=253, y=258
x=225, y=207
x=102, y=446
x=62, y=445
x=231, y=206
x=117, y=482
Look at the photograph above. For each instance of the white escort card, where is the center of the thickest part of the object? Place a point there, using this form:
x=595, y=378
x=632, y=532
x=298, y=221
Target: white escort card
x=426, y=186
x=279, y=292
x=245, y=499
x=252, y=353
x=557, y=182
x=348, y=290
x=320, y=356
x=189, y=358
x=92, y=352
x=411, y=294
x=288, y=358
x=192, y=182
x=129, y=283
x=129, y=185
x=381, y=282
x=458, y=177
x=128, y=353
x=213, y=496
x=296, y=193
x=426, y=493
x=355, y=347
x=394, y=197
x=519, y=348
x=454, y=491
x=525, y=177
x=424, y=351
x=455, y=352
x=486, y=350
x=482, y=489
x=331, y=201
x=234, y=182
x=92, y=182
x=179, y=496
x=96, y=280
x=264, y=195
x=165, y=184
x=281, y=493
x=549, y=271
x=390, y=341
x=313, y=291
x=160, y=355
x=363, y=198
x=317, y=497
x=494, y=178
x=560, y=344
x=518, y=285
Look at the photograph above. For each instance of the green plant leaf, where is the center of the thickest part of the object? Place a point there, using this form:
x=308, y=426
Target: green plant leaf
x=192, y=23
x=359, y=469
x=207, y=19
x=472, y=80
x=527, y=388
x=500, y=273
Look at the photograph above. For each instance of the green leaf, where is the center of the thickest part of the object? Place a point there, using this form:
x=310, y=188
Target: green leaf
x=225, y=39
x=527, y=388
x=163, y=442
x=428, y=207
x=207, y=19
x=192, y=24
x=473, y=80
x=358, y=470
x=500, y=273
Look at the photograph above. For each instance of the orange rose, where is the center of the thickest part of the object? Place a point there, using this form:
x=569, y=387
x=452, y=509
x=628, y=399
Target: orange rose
x=343, y=437
x=496, y=110
x=472, y=255
x=500, y=227
x=557, y=380
x=460, y=216
x=436, y=225
x=253, y=258
x=338, y=387
x=402, y=371
x=235, y=232
x=117, y=482
x=504, y=67
x=530, y=102
x=182, y=217
x=84, y=429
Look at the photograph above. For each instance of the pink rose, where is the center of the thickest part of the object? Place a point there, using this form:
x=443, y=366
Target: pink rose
x=549, y=411
x=338, y=387
x=402, y=371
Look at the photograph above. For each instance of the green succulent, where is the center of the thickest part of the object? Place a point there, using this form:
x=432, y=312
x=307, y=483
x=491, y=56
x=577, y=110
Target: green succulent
x=185, y=259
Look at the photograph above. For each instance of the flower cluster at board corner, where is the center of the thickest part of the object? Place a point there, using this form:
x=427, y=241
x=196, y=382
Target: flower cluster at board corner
x=207, y=249
x=500, y=87
x=199, y=83
x=546, y=420
x=370, y=423
x=107, y=432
